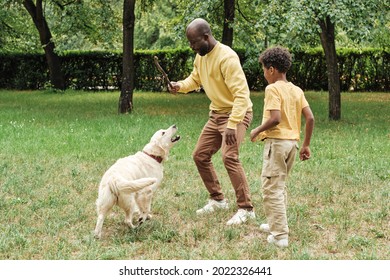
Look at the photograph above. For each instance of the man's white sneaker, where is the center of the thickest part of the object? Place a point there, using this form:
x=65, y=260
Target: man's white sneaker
x=241, y=216
x=282, y=243
x=213, y=205
x=265, y=228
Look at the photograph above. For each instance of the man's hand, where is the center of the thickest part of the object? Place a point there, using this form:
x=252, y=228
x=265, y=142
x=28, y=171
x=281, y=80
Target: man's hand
x=174, y=88
x=230, y=136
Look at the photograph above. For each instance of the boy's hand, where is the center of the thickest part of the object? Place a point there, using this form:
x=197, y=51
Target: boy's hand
x=273, y=121
x=304, y=153
x=253, y=135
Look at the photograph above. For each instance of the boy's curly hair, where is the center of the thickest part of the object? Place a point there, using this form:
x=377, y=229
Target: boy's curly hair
x=277, y=57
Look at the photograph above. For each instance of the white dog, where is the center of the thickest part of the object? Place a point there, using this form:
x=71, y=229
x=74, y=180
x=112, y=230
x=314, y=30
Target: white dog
x=131, y=181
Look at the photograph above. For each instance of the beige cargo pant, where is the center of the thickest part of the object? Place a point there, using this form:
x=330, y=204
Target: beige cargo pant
x=278, y=159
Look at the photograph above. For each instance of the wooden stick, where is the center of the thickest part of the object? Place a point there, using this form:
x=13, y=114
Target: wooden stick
x=162, y=71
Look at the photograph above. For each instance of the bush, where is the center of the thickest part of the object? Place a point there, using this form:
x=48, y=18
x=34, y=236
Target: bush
x=360, y=70
x=103, y=70
x=23, y=71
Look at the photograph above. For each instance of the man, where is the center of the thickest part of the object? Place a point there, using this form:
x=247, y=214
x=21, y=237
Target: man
x=218, y=70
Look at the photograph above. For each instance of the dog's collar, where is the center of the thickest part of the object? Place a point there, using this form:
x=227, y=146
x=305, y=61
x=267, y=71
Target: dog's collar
x=157, y=158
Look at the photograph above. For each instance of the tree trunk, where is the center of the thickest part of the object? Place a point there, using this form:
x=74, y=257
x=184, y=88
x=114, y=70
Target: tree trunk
x=126, y=98
x=227, y=34
x=328, y=43
x=53, y=60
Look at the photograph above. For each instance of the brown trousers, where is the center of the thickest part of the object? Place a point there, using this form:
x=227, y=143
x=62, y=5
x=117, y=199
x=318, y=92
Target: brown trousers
x=278, y=160
x=210, y=141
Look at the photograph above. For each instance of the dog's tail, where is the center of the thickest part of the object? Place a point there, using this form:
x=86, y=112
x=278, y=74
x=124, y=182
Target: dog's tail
x=132, y=186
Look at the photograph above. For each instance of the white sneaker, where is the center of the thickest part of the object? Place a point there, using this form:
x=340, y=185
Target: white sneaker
x=213, y=205
x=282, y=243
x=241, y=216
x=265, y=228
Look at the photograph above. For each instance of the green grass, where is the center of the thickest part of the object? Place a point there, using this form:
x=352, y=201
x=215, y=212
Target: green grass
x=54, y=148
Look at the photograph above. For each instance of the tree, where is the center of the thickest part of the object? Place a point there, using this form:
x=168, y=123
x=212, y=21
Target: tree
x=355, y=17
x=227, y=33
x=74, y=25
x=328, y=43
x=305, y=21
x=126, y=96
x=37, y=14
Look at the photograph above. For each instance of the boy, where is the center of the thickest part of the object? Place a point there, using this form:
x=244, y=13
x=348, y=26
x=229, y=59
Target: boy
x=284, y=103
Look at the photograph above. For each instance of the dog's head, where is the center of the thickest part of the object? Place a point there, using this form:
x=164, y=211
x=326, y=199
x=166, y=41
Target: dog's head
x=162, y=141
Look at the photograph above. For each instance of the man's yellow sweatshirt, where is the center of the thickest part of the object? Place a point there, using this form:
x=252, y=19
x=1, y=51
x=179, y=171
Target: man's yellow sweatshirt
x=220, y=74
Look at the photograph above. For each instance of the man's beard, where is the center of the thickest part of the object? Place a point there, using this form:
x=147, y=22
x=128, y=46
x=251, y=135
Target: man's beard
x=204, y=50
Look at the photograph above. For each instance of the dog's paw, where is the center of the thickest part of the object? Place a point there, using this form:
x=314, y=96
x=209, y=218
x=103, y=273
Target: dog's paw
x=97, y=235
x=130, y=224
x=144, y=218
x=141, y=220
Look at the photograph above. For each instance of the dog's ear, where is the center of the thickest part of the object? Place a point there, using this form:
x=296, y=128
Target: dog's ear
x=164, y=150
x=156, y=148
x=165, y=156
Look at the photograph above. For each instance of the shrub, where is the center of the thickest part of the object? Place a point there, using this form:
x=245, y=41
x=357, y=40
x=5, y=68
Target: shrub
x=360, y=70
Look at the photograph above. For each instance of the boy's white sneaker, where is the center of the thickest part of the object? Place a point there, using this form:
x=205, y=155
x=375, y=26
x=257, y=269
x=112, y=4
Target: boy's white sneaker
x=282, y=243
x=241, y=216
x=213, y=205
x=265, y=228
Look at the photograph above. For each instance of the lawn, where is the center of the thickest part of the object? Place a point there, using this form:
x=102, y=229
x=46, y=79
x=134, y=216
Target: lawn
x=55, y=148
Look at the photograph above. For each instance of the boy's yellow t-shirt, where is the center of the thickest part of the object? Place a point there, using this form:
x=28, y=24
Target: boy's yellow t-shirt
x=220, y=74
x=289, y=100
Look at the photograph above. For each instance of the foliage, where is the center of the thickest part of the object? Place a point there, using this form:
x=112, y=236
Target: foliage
x=155, y=24
x=96, y=24
x=17, y=31
x=245, y=25
x=88, y=24
x=55, y=148
x=365, y=69
x=295, y=23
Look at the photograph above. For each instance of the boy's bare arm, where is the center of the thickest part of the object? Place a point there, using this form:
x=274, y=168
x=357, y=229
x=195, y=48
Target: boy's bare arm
x=274, y=120
x=305, y=152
